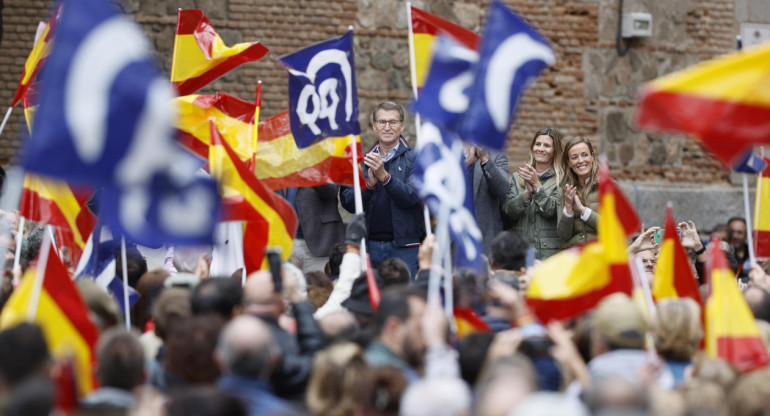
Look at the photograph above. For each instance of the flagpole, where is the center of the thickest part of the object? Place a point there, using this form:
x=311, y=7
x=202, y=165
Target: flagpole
x=645, y=285
x=5, y=119
x=19, y=237
x=53, y=240
x=37, y=285
x=448, y=288
x=255, y=131
x=126, y=306
x=749, y=235
x=359, y=202
x=434, y=281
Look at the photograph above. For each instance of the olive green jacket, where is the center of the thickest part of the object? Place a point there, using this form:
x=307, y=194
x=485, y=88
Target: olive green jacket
x=573, y=230
x=535, y=219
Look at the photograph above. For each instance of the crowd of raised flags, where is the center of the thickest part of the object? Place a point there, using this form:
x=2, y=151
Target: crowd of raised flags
x=104, y=121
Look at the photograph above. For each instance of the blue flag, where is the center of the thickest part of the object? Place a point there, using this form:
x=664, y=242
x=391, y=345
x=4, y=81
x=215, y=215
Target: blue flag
x=444, y=96
x=512, y=54
x=750, y=163
x=98, y=262
x=323, y=100
x=104, y=120
x=442, y=181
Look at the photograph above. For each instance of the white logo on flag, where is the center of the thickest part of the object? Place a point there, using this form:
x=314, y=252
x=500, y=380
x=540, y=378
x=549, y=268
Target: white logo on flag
x=325, y=100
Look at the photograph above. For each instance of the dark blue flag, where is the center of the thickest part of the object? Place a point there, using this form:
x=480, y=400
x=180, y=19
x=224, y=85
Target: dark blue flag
x=104, y=119
x=442, y=181
x=98, y=263
x=444, y=96
x=512, y=54
x=750, y=162
x=323, y=99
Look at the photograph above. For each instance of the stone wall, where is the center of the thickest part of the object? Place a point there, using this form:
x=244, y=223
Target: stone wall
x=591, y=90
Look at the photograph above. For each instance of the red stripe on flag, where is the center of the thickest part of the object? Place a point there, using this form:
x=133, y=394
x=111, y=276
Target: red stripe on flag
x=232, y=106
x=744, y=353
x=330, y=170
x=188, y=20
x=191, y=85
x=255, y=235
x=424, y=22
x=38, y=209
x=193, y=144
x=762, y=243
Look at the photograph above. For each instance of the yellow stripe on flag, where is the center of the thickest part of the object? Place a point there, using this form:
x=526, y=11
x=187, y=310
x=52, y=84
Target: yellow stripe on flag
x=663, y=285
x=190, y=61
x=423, y=44
x=60, y=194
x=762, y=207
x=194, y=120
x=281, y=156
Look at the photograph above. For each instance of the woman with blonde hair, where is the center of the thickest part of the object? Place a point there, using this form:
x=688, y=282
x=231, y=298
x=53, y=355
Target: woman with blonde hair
x=338, y=381
x=532, y=197
x=677, y=332
x=579, y=193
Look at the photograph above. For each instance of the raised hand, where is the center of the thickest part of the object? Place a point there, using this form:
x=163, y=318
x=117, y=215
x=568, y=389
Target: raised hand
x=568, y=198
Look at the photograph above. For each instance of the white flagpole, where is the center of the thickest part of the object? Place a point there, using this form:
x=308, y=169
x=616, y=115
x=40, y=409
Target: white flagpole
x=19, y=237
x=750, y=233
x=37, y=285
x=53, y=240
x=448, y=285
x=5, y=119
x=126, y=306
x=434, y=281
x=359, y=202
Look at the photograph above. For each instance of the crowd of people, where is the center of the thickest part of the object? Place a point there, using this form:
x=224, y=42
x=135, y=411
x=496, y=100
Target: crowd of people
x=311, y=339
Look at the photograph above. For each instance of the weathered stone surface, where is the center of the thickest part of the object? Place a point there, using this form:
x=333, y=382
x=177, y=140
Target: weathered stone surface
x=382, y=60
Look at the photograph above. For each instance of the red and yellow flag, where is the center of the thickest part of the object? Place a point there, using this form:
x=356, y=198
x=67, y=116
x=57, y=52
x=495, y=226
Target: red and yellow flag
x=246, y=198
x=725, y=102
x=234, y=119
x=731, y=331
x=63, y=317
x=575, y=280
x=425, y=28
x=762, y=214
x=468, y=322
x=30, y=104
x=37, y=57
x=200, y=55
x=673, y=274
x=279, y=163
x=56, y=203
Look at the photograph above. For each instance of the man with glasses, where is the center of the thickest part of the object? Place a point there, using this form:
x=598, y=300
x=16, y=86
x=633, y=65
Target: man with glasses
x=393, y=211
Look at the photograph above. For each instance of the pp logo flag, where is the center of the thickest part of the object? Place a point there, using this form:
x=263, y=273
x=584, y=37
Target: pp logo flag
x=442, y=182
x=512, y=54
x=323, y=100
x=444, y=96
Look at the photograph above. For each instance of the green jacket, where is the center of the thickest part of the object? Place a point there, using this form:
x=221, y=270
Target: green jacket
x=535, y=219
x=573, y=230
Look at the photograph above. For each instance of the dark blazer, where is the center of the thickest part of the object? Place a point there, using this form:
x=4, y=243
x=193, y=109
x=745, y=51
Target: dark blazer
x=490, y=185
x=319, y=218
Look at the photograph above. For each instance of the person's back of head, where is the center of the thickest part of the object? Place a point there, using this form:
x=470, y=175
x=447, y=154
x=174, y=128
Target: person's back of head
x=32, y=241
x=246, y=348
x=442, y=396
x=260, y=297
x=338, y=380
x=190, y=349
x=616, y=395
x=204, y=401
x=136, y=265
x=149, y=287
x=750, y=395
x=394, y=304
x=332, y=267
x=385, y=387
x=702, y=397
x=104, y=308
x=759, y=302
x=33, y=397
x=394, y=271
x=472, y=355
x=120, y=360
x=23, y=353
x=220, y=296
x=677, y=328
x=549, y=404
x=504, y=383
x=619, y=324
x=171, y=306
x=508, y=252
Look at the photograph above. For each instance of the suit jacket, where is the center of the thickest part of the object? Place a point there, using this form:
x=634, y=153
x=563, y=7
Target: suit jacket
x=490, y=185
x=319, y=218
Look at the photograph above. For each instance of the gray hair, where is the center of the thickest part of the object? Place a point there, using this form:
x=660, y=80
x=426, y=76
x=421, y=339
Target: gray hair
x=442, y=396
x=245, y=348
x=186, y=258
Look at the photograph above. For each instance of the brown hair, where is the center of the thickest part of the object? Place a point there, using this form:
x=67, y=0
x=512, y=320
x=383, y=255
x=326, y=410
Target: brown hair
x=570, y=177
x=388, y=105
x=558, y=149
x=338, y=381
x=677, y=328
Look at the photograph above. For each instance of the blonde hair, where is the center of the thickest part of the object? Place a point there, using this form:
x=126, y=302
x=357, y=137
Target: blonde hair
x=338, y=381
x=677, y=328
x=558, y=149
x=570, y=177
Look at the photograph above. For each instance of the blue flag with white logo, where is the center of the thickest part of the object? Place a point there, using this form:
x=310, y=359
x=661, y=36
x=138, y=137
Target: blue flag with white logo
x=441, y=179
x=444, y=96
x=750, y=162
x=512, y=54
x=98, y=262
x=104, y=119
x=323, y=99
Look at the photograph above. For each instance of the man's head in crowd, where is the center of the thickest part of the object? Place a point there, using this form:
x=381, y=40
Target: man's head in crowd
x=104, y=309
x=394, y=271
x=204, y=401
x=397, y=323
x=736, y=231
x=260, y=297
x=186, y=258
x=677, y=328
x=219, y=296
x=23, y=354
x=388, y=122
x=503, y=384
x=171, y=306
x=338, y=326
x=338, y=381
x=246, y=348
x=759, y=302
x=617, y=324
x=189, y=349
x=149, y=287
x=135, y=263
x=120, y=359
x=508, y=252
x=648, y=262
x=440, y=396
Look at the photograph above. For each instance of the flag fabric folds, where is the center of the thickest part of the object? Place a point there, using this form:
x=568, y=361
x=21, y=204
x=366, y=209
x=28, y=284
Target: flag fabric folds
x=441, y=180
x=63, y=317
x=511, y=55
x=280, y=163
x=271, y=220
x=200, y=55
x=731, y=331
x=575, y=280
x=101, y=82
x=425, y=28
x=750, y=162
x=323, y=99
x=100, y=264
x=762, y=214
x=468, y=322
x=725, y=102
x=37, y=57
x=30, y=104
x=673, y=275
x=233, y=117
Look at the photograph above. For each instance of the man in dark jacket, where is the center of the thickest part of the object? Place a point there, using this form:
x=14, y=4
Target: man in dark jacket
x=394, y=214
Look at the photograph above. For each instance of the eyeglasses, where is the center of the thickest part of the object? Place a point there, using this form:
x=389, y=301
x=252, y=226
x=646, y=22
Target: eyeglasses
x=393, y=123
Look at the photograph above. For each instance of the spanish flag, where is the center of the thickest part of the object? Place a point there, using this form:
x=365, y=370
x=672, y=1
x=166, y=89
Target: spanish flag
x=468, y=322
x=63, y=317
x=53, y=202
x=575, y=280
x=270, y=219
x=673, y=274
x=200, y=55
x=234, y=119
x=725, y=102
x=30, y=104
x=731, y=331
x=425, y=29
x=279, y=163
x=37, y=57
x=762, y=214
